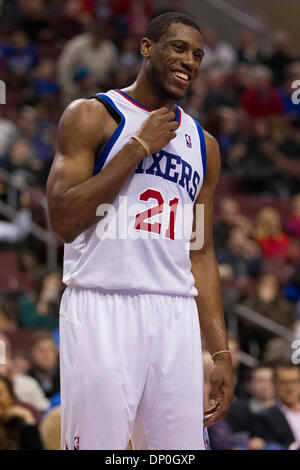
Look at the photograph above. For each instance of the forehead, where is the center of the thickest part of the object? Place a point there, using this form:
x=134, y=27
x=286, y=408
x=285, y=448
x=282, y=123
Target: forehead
x=262, y=373
x=287, y=372
x=183, y=32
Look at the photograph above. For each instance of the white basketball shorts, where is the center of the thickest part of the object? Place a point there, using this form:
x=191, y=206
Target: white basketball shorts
x=131, y=368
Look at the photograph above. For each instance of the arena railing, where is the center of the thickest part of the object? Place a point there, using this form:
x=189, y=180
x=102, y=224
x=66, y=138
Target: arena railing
x=262, y=322
x=9, y=210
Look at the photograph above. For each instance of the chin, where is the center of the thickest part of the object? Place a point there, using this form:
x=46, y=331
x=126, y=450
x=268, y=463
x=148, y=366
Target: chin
x=175, y=94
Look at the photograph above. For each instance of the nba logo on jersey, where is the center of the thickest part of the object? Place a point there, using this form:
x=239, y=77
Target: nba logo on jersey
x=76, y=442
x=188, y=141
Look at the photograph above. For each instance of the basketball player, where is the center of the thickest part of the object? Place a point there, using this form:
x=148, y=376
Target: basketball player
x=131, y=365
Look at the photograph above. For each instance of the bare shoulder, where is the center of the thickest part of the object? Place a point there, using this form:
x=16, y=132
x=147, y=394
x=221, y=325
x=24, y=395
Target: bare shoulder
x=83, y=120
x=212, y=149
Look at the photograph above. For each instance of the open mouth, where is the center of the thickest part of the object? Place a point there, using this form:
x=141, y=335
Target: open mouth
x=182, y=77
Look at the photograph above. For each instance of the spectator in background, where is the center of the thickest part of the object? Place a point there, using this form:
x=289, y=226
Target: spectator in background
x=129, y=58
x=17, y=230
x=292, y=224
x=26, y=388
x=44, y=79
x=269, y=302
x=262, y=100
x=40, y=309
x=229, y=217
x=93, y=50
x=241, y=253
x=85, y=84
x=277, y=350
x=217, y=53
x=281, y=423
x=67, y=19
x=138, y=17
x=269, y=235
x=30, y=267
x=242, y=415
x=242, y=79
x=194, y=103
x=19, y=55
x=35, y=20
x=20, y=362
x=21, y=162
x=281, y=55
x=29, y=128
x=18, y=429
x=228, y=135
x=217, y=95
x=247, y=50
x=44, y=357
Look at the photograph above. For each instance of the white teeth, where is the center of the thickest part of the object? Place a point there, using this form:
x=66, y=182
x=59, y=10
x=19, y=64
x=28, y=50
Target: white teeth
x=182, y=75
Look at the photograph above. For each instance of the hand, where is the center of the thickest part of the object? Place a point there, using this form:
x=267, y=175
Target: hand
x=158, y=129
x=221, y=393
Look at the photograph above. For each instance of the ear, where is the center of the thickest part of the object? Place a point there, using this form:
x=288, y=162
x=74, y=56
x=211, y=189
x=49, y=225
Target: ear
x=146, y=48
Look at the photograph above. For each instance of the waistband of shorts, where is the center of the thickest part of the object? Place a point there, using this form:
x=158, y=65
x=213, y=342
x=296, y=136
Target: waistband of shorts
x=127, y=293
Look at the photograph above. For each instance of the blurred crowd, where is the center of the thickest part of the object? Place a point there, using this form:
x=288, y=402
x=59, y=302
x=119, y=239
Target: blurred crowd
x=52, y=52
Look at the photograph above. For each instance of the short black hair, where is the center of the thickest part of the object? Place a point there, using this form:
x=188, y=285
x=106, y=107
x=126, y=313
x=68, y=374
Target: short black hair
x=160, y=24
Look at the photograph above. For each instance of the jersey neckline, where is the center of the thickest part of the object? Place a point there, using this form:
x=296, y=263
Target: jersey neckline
x=141, y=106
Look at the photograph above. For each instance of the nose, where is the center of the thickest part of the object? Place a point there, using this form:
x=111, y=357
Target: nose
x=188, y=60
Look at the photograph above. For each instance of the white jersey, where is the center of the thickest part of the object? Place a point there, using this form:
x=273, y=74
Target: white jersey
x=142, y=243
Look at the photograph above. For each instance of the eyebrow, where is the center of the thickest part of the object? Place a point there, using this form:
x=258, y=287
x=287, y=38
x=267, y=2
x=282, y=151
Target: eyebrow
x=185, y=43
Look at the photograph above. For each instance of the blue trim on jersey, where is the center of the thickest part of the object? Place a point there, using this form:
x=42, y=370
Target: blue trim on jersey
x=177, y=114
x=202, y=146
x=109, y=145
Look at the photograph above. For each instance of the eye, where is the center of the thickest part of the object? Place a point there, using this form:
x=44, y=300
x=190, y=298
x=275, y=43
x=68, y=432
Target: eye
x=198, y=57
x=178, y=48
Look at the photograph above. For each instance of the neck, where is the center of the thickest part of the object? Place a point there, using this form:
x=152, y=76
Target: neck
x=263, y=403
x=143, y=91
x=294, y=406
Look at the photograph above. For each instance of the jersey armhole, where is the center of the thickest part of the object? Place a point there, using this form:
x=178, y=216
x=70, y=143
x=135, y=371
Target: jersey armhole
x=114, y=114
x=120, y=120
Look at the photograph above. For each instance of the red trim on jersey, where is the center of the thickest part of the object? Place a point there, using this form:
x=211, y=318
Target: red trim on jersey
x=179, y=118
x=133, y=101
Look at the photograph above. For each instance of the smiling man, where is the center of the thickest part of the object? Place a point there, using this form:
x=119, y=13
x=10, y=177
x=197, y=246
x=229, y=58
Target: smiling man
x=131, y=363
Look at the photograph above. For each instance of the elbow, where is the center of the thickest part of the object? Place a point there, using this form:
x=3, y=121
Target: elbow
x=62, y=231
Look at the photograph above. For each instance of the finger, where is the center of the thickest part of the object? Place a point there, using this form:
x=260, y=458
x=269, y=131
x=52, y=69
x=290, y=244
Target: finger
x=214, y=417
x=170, y=116
x=210, y=410
x=224, y=404
x=173, y=135
x=173, y=125
x=161, y=111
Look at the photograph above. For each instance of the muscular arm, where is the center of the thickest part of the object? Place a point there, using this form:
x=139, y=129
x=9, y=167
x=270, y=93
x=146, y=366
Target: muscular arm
x=207, y=281
x=73, y=192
